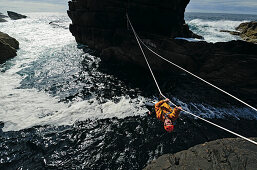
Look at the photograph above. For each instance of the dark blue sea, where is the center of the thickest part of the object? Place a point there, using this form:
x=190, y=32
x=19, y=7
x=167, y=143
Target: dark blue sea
x=61, y=107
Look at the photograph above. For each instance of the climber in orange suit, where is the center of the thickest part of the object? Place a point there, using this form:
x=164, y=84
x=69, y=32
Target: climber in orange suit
x=166, y=114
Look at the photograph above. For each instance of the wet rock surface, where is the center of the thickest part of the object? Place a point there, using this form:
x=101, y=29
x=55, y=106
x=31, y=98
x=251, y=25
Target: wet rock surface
x=226, y=154
x=8, y=46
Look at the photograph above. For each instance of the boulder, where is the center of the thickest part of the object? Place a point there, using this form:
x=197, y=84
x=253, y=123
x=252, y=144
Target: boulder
x=6, y=52
x=8, y=46
x=9, y=40
x=15, y=16
x=225, y=154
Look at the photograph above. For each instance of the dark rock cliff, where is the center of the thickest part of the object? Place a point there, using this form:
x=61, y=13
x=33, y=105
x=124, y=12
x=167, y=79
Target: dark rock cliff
x=102, y=25
x=96, y=20
x=225, y=154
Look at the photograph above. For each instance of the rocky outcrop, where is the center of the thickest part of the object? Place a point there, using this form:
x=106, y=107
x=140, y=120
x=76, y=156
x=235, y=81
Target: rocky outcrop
x=105, y=19
x=9, y=40
x=102, y=25
x=2, y=20
x=8, y=46
x=248, y=31
x=225, y=154
x=15, y=16
x=2, y=17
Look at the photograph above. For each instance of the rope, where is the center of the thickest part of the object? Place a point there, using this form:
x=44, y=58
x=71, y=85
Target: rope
x=198, y=77
x=137, y=38
x=145, y=57
x=234, y=133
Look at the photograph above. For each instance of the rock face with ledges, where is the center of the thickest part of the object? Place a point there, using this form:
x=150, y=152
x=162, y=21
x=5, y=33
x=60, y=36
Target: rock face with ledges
x=222, y=154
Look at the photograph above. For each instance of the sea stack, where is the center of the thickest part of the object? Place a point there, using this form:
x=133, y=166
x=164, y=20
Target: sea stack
x=94, y=21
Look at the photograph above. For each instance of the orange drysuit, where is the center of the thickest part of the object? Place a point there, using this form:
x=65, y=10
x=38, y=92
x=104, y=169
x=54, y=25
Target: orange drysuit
x=162, y=109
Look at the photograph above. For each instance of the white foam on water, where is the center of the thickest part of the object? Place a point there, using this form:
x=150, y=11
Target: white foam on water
x=25, y=108
x=210, y=30
x=188, y=39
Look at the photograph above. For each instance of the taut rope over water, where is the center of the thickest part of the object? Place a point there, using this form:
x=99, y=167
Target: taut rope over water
x=139, y=40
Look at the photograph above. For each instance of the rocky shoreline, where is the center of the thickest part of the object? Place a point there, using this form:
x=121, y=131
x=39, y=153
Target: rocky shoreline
x=225, y=154
x=247, y=31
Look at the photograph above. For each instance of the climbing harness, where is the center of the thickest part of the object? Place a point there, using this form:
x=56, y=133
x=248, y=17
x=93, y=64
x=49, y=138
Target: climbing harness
x=139, y=40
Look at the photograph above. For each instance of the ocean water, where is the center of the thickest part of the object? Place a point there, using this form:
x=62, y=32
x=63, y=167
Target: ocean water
x=65, y=108
x=209, y=25
x=48, y=69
